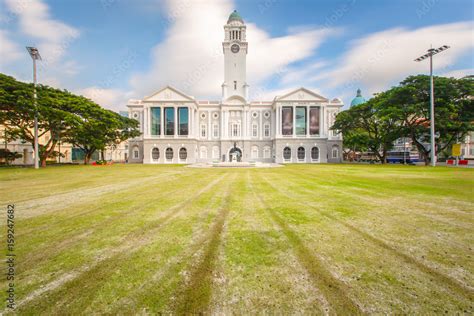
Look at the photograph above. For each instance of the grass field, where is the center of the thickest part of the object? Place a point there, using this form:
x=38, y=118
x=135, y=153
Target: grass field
x=337, y=239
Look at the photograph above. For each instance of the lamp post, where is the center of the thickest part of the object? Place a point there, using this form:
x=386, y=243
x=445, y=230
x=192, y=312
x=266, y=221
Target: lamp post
x=35, y=55
x=430, y=54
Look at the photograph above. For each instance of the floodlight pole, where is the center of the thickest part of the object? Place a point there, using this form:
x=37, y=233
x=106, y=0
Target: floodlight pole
x=430, y=54
x=432, y=122
x=34, y=53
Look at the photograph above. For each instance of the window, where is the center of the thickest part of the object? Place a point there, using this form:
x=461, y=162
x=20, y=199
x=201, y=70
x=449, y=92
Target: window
x=301, y=153
x=235, y=128
x=169, y=153
x=287, y=121
x=254, y=130
x=215, y=130
x=335, y=152
x=266, y=130
x=266, y=152
x=300, y=121
x=203, y=130
x=215, y=152
x=315, y=153
x=169, y=121
x=314, y=121
x=203, y=152
x=235, y=85
x=155, y=121
x=254, y=152
x=135, y=153
x=183, y=119
x=155, y=154
x=287, y=153
x=183, y=153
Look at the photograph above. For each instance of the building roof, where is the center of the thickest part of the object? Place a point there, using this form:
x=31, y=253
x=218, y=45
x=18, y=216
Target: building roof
x=359, y=99
x=235, y=16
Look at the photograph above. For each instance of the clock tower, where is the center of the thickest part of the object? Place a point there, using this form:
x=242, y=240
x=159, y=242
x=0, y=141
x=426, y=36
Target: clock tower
x=235, y=58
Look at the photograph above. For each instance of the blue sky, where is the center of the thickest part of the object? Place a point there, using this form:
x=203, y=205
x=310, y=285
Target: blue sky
x=113, y=50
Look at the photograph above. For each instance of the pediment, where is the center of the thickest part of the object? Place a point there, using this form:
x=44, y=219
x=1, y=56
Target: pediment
x=169, y=94
x=302, y=94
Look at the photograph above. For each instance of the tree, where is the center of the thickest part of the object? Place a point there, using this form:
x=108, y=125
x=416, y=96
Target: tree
x=454, y=110
x=54, y=108
x=372, y=125
x=100, y=128
x=75, y=119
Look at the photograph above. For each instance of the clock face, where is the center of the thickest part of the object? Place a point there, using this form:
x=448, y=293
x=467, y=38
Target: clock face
x=235, y=48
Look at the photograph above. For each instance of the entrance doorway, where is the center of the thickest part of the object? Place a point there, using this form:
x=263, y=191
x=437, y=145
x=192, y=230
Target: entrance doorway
x=235, y=154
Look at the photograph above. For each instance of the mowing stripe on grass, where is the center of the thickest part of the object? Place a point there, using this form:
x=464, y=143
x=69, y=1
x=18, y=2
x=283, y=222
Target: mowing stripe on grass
x=56, y=248
x=132, y=243
x=453, y=284
x=169, y=270
x=195, y=295
x=334, y=290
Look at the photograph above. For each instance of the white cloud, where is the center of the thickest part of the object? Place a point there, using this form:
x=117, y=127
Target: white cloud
x=458, y=73
x=191, y=58
x=9, y=50
x=381, y=59
x=35, y=21
x=112, y=99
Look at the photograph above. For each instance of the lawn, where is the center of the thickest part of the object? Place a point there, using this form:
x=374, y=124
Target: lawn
x=337, y=239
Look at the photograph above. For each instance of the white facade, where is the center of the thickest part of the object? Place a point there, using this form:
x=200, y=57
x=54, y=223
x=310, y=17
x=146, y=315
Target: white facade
x=176, y=128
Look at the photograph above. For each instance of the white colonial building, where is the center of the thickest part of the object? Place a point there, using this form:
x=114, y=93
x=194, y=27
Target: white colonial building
x=177, y=128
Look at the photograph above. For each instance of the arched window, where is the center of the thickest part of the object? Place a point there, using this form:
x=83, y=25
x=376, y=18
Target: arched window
x=203, y=152
x=183, y=154
x=215, y=152
x=135, y=152
x=254, y=152
x=169, y=153
x=287, y=153
x=155, y=153
x=266, y=152
x=335, y=152
x=301, y=153
x=315, y=153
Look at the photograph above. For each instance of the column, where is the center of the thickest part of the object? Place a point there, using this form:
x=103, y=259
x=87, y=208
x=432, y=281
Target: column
x=162, y=122
x=294, y=121
x=190, y=122
x=175, y=121
x=277, y=121
x=321, y=122
x=244, y=124
x=222, y=125
x=209, y=127
x=145, y=122
x=260, y=128
x=308, y=108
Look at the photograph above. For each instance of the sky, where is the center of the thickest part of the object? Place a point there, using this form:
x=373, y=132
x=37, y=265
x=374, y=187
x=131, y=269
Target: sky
x=115, y=50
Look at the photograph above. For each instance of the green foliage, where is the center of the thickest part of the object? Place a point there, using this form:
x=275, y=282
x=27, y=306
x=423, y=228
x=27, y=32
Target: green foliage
x=454, y=110
x=403, y=111
x=8, y=156
x=61, y=115
x=372, y=125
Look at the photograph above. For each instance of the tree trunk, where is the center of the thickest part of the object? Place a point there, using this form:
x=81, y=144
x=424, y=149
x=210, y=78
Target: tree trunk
x=87, y=158
x=43, y=162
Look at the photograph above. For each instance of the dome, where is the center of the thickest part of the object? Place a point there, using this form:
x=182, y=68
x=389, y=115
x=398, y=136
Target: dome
x=359, y=99
x=235, y=16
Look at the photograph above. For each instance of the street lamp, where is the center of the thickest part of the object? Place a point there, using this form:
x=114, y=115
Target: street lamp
x=35, y=55
x=430, y=54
